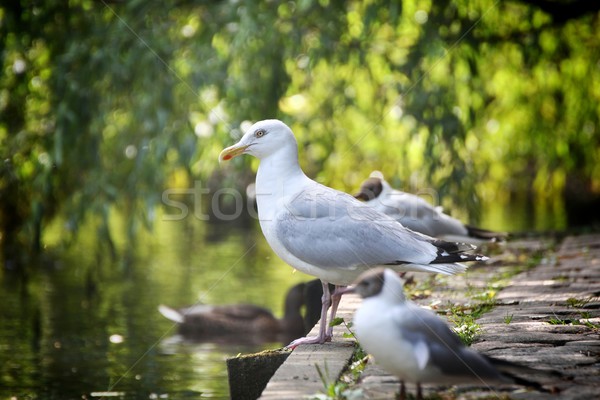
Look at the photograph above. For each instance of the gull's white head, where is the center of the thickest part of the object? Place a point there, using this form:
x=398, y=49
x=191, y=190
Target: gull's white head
x=261, y=140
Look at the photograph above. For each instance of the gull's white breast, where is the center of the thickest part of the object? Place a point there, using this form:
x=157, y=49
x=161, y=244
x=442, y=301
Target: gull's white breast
x=378, y=331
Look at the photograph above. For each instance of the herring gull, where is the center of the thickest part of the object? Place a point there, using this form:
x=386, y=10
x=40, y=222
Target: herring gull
x=327, y=233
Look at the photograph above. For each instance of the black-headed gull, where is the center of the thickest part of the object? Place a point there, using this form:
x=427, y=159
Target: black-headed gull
x=327, y=233
x=416, y=345
x=417, y=214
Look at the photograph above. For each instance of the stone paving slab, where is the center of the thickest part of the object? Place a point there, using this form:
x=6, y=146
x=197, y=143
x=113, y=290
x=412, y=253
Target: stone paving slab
x=564, y=288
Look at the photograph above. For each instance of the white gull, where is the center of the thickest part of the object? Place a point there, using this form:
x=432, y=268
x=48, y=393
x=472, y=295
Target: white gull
x=327, y=233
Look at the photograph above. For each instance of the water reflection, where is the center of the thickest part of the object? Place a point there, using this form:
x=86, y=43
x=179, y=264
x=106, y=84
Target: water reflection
x=58, y=318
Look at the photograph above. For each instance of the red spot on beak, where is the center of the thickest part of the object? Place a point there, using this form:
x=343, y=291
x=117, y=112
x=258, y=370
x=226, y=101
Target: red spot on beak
x=227, y=157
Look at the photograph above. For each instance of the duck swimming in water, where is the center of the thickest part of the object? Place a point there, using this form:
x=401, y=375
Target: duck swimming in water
x=249, y=323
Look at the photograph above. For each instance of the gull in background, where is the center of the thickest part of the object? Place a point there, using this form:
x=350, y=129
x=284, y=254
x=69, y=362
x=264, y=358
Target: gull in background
x=416, y=345
x=417, y=214
x=327, y=233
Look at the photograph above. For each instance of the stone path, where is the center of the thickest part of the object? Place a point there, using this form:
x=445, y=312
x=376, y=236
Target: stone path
x=546, y=317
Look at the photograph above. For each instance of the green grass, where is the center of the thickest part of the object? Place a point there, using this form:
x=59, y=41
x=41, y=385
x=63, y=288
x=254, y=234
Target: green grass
x=344, y=387
x=575, y=321
x=560, y=278
x=560, y=321
x=589, y=324
x=578, y=317
x=464, y=316
x=577, y=303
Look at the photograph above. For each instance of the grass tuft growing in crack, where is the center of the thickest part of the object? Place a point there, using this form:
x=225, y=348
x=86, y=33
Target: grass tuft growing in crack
x=578, y=303
x=344, y=388
x=464, y=316
x=577, y=317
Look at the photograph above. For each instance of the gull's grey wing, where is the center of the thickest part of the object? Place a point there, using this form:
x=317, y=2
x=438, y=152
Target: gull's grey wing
x=446, y=351
x=415, y=213
x=417, y=323
x=327, y=228
x=437, y=225
x=410, y=205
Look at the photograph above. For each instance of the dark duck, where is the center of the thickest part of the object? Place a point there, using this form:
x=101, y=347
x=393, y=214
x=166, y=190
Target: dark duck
x=249, y=323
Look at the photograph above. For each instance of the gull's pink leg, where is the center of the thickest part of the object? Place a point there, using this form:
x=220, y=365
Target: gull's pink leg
x=335, y=302
x=402, y=394
x=322, y=337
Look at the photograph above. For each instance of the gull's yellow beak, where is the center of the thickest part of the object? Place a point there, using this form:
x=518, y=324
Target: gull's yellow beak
x=231, y=152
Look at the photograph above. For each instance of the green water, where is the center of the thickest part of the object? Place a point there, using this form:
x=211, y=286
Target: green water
x=79, y=324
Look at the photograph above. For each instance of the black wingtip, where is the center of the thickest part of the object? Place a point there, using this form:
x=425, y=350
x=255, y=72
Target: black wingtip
x=450, y=252
x=453, y=247
x=485, y=234
x=444, y=257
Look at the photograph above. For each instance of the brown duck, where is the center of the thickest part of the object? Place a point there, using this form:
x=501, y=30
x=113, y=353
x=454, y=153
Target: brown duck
x=249, y=323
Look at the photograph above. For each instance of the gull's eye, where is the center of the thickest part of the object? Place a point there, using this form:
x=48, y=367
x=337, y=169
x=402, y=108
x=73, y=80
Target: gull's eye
x=260, y=133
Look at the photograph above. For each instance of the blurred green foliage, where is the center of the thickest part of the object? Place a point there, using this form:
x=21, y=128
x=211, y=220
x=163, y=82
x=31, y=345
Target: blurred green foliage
x=105, y=104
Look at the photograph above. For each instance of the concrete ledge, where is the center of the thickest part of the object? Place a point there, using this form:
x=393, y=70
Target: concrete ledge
x=298, y=376
x=249, y=374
